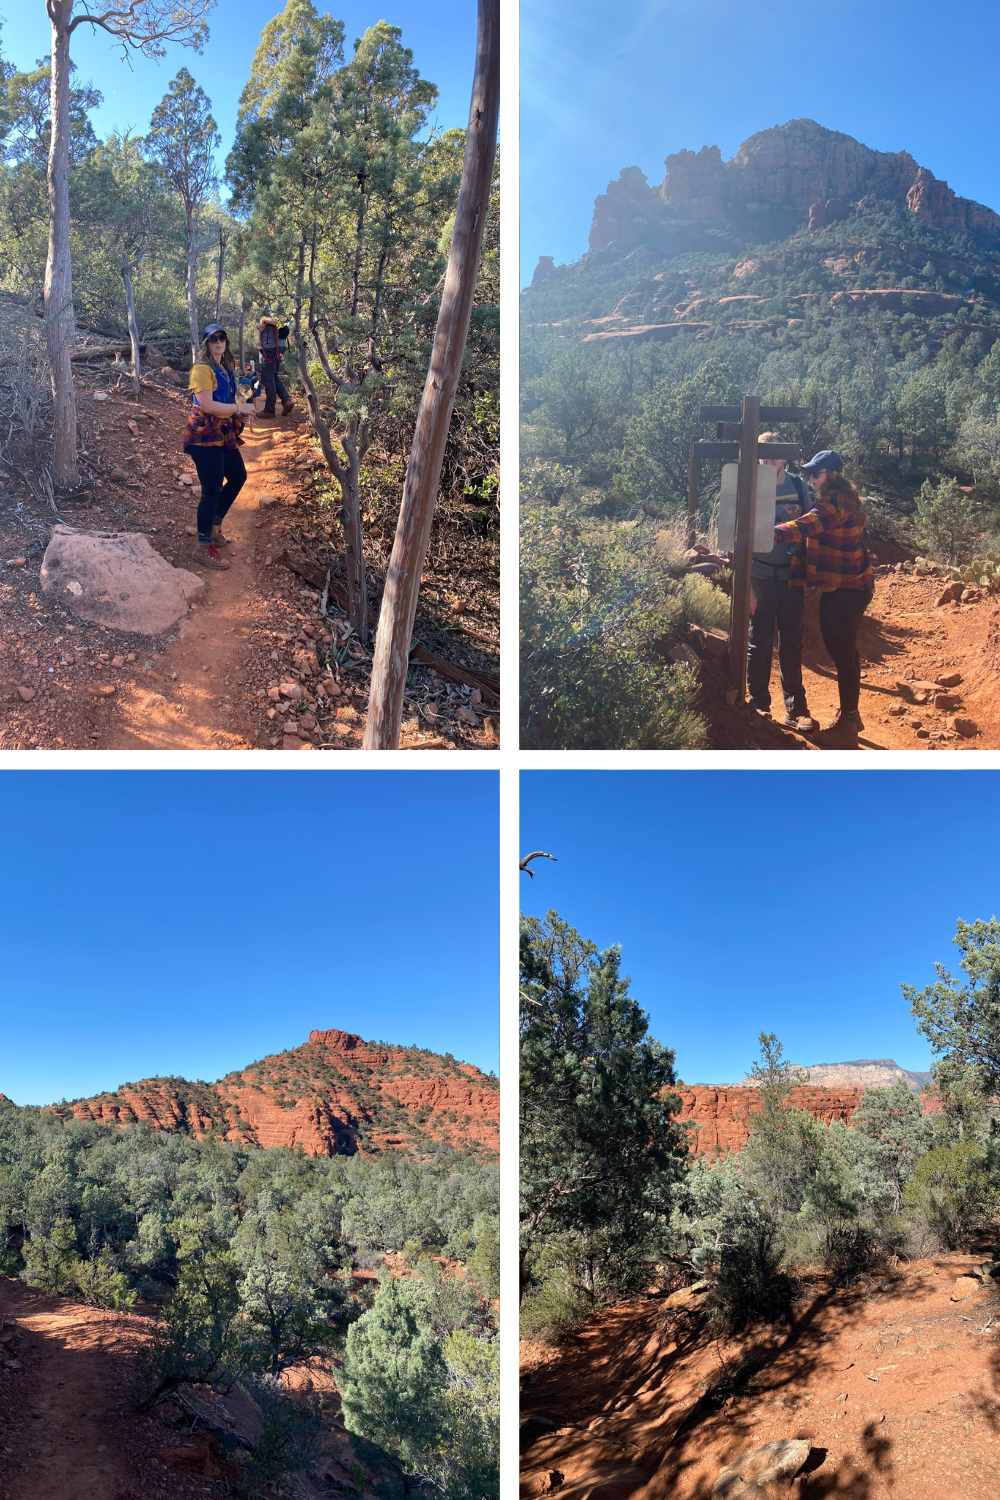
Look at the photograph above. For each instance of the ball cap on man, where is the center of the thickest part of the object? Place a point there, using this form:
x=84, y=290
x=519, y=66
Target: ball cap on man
x=824, y=459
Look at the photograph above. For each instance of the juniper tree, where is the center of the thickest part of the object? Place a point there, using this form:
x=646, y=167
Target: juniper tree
x=344, y=222
x=962, y=1021
x=182, y=140
x=140, y=26
x=600, y=1146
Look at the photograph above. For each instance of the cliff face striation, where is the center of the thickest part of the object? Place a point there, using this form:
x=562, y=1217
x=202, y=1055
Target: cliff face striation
x=335, y=1095
x=721, y=1114
x=801, y=169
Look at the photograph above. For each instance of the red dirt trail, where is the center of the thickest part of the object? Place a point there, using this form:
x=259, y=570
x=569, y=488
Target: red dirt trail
x=895, y=1386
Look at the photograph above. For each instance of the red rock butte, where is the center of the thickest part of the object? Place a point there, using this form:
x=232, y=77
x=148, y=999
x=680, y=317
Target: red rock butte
x=722, y=1114
x=335, y=1095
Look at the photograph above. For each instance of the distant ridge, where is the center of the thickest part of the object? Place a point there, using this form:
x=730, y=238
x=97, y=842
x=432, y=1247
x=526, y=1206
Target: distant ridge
x=335, y=1095
x=865, y=1073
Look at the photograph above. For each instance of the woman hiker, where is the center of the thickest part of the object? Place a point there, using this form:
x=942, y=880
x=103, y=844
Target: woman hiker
x=212, y=440
x=834, y=562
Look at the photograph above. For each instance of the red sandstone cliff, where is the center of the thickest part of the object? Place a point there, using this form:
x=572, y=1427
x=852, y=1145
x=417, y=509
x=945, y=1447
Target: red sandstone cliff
x=722, y=1113
x=801, y=166
x=334, y=1095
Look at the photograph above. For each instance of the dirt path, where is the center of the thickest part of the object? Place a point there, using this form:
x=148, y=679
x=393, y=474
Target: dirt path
x=895, y=1386
x=214, y=682
x=903, y=636
x=193, y=701
x=65, y=1376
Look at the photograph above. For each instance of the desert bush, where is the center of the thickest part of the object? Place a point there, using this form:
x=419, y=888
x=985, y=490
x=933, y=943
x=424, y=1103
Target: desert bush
x=592, y=605
x=554, y=1305
x=945, y=521
x=750, y=1285
x=102, y=1284
x=703, y=604
x=952, y=1191
x=289, y=1443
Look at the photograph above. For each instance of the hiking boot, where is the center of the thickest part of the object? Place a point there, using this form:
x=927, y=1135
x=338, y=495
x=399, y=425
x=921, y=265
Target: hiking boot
x=803, y=722
x=760, y=706
x=841, y=733
x=208, y=555
x=266, y=414
x=286, y=407
x=218, y=540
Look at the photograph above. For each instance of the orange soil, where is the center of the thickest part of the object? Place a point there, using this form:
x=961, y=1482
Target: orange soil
x=896, y=1387
x=901, y=629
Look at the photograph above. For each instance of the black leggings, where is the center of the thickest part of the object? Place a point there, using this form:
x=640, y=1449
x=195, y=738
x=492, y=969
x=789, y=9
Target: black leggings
x=840, y=614
x=223, y=474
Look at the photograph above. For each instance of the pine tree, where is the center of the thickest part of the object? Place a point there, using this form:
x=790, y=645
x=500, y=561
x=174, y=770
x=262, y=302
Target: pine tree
x=182, y=140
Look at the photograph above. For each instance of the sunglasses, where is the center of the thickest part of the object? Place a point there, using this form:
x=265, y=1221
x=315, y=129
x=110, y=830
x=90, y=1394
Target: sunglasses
x=217, y=338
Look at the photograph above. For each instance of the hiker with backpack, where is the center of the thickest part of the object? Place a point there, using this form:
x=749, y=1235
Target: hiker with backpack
x=775, y=604
x=834, y=563
x=273, y=342
x=212, y=440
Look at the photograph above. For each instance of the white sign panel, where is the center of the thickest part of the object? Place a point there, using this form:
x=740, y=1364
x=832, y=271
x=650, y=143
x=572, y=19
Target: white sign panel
x=763, y=528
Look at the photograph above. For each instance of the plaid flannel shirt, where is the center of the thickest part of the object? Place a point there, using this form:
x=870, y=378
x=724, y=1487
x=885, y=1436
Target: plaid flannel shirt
x=833, y=555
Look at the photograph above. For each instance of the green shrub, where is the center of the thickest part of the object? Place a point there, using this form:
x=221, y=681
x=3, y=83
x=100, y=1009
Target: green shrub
x=951, y=1191
x=50, y=1260
x=703, y=604
x=750, y=1286
x=554, y=1307
x=100, y=1283
x=945, y=522
x=592, y=606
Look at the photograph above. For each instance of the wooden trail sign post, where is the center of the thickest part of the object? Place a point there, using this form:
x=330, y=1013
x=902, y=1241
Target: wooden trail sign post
x=738, y=439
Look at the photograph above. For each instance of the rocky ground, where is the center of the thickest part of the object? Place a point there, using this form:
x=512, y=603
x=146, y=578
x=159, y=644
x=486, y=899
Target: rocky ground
x=893, y=1383
x=69, y=1431
x=254, y=664
x=910, y=648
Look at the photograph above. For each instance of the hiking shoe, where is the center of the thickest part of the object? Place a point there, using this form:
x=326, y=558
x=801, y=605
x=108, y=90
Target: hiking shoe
x=803, y=722
x=208, y=556
x=841, y=733
x=266, y=414
x=286, y=407
x=218, y=540
x=760, y=706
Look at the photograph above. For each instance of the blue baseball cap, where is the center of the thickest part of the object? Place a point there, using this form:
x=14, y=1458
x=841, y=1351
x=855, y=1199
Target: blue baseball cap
x=824, y=459
x=206, y=333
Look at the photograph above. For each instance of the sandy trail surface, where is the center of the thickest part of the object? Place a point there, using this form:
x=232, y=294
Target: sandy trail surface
x=902, y=636
x=192, y=701
x=64, y=1379
x=895, y=1386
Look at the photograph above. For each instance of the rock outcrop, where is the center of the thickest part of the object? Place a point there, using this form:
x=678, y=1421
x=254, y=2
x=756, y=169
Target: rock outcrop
x=116, y=579
x=814, y=174
x=335, y=1095
x=722, y=1114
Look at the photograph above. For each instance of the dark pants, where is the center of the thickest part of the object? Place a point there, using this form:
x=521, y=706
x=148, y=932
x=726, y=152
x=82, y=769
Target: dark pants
x=223, y=474
x=779, y=605
x=840, y=614
x=272, y=383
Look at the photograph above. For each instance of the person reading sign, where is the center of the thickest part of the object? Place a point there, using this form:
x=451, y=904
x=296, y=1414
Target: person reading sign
x=777, y=606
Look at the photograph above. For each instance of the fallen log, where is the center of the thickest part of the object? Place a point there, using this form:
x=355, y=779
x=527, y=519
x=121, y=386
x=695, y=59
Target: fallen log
x=105, y=351
x=488, y=683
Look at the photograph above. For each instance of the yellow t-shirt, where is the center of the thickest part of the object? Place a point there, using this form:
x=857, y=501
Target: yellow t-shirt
x=202, y=378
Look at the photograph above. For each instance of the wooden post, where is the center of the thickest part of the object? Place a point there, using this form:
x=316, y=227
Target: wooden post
x=746, y=490
x=423, y=473
x=692, y=513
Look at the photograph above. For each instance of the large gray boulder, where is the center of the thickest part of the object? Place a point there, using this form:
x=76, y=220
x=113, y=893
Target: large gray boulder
x=762, y=1472
x=115, y=578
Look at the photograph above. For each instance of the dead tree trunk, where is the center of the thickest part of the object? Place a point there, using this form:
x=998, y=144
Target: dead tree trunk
x=60, y=325
x=413, y=529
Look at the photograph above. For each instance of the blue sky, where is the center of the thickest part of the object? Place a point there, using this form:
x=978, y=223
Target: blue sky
x=190, y=922
x=749, y=901
x=442, y=37
x=609, y=85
